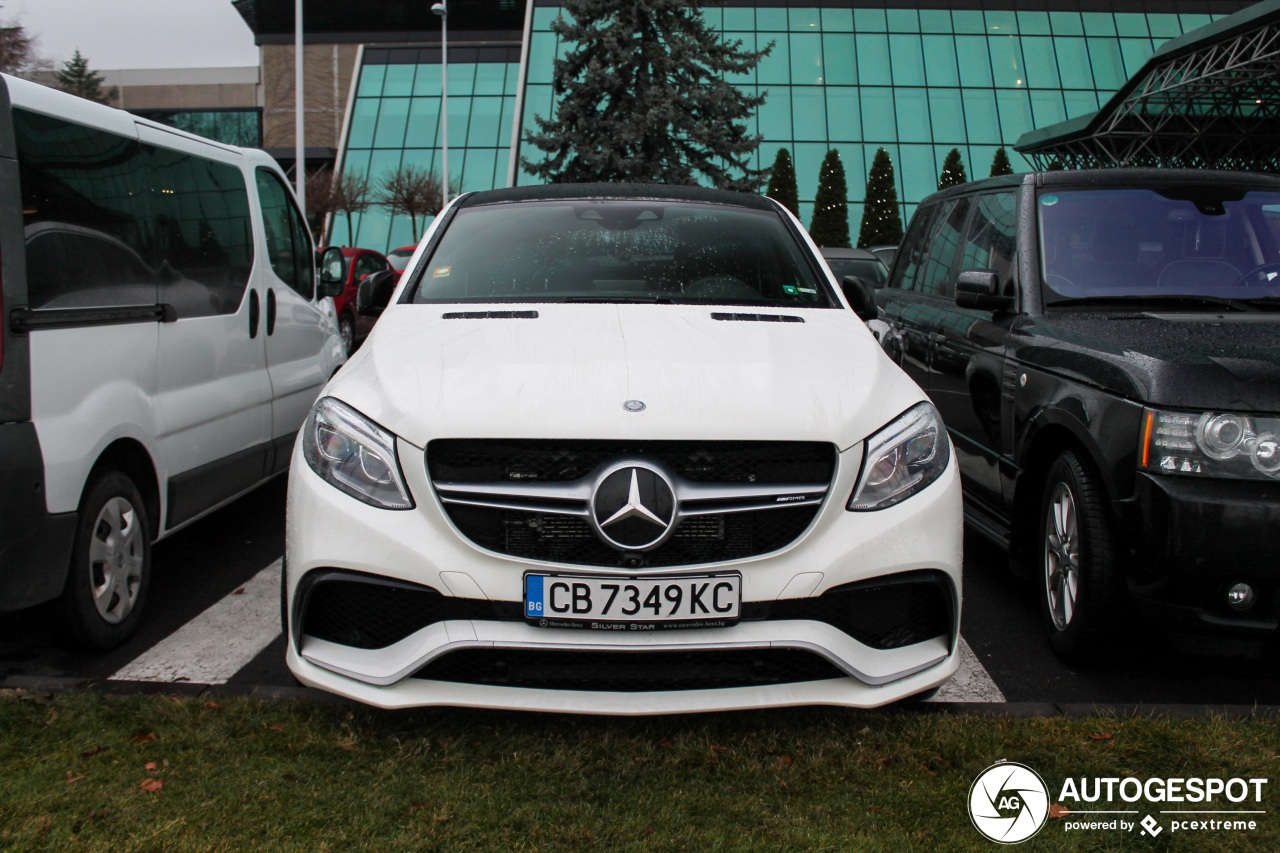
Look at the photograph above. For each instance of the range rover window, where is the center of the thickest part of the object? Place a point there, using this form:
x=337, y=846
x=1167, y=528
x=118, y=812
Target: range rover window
x=1199, y=243
x=620, y=250
x=914, y=247
x=990, y=243
x=934, y=275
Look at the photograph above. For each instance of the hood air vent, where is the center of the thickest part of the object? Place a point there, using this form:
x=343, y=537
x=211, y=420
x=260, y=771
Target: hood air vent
x=757, y=318
x=490, y=315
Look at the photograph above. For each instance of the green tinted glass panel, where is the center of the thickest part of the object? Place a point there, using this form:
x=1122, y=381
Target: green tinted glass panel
x=981, y=120
x=1002, y=23
x=912, y=107
x=1033, y=23
x=1066, y=23
x=946, y=115
x=1136, y=52
x=870, y=21
x=491, y=78
x=809, y=113
x=427, y=80
x=1099, y=23
x=486, y=113
x=935, y=21
x=775, y=113
x=838, y=59
x=873, y=60
x=940, y=61
x=908, y=60
x=837, y=20
x=739, y=20
x=804, y=19
x=424, y=118
x=903, y=20
x=776, y=67
x=542, y=18
x=1194, y=22
x=392, y=121
x=1132, y=24
x=1073, y=63
x=399, y=81
x=542, y=52
x=1014, y=107
x=806, y=59
x=1164, y=26
x=371, y=77
x=844, y=120
x=968, y=22
x=1006, y=62
x=975, y=65
x=771, y=19
x=478, y=170
x=917, y=170
x=1080, y=103
x=808, y=162
x=462, y=77
x=1041, y=62
x=878, y=120
x=1047, y=108
x=1107, y=64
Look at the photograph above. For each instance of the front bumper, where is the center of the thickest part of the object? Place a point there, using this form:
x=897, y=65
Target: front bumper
x=327, y=531
x=1191, y=539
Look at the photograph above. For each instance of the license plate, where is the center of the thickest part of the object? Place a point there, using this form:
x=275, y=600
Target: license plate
x=632, y=603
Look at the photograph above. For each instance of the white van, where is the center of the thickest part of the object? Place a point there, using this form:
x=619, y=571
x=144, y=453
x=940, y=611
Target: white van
x=163, y=339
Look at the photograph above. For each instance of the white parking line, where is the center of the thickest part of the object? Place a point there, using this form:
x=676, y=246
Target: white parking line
x=971, y=683
x=220, y=641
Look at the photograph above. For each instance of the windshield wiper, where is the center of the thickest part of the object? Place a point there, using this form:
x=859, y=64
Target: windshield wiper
x=1247, y=305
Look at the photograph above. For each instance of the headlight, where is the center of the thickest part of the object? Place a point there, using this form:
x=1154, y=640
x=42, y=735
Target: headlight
x=1211, y=444
x=354, y=455
x=901, y=459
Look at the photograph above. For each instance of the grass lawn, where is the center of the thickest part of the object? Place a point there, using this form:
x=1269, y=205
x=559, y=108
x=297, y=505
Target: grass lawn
x=80, y=770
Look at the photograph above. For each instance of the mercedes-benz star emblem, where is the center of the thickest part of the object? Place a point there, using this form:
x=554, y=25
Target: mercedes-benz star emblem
x=633, y=507
x=634, y=405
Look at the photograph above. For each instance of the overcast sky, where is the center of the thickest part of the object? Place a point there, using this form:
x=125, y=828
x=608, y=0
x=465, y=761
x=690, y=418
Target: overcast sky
x=124, y=34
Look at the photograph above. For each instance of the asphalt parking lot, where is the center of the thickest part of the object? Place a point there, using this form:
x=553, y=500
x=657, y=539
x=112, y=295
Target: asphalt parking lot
x=214, y=613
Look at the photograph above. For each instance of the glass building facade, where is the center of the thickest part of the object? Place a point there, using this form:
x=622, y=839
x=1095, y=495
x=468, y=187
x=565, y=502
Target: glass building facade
x=849, y=76
x=394, y=121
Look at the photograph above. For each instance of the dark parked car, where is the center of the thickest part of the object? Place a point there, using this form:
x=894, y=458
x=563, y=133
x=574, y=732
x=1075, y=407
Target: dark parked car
x=857, y=262
x=358, y=264
x=1104, y=348
x=885, y=253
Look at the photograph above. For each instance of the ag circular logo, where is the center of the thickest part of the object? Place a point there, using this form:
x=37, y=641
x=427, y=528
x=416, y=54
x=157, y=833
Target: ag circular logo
x=1008, y=802
x=634, y=507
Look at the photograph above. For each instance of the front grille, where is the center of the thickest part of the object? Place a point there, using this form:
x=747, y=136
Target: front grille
x=630, y=672
x=571, y=539
x=549, y=461
x=550, y=532
x=371, y=613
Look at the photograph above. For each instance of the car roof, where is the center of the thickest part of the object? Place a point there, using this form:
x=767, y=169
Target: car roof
x=656, y=192
x=837, y=253
x=1119, y=177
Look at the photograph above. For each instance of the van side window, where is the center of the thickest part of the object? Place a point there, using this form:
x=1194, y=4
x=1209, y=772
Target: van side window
x=85, y=216
x=288, y=243
x=934, y=277
x=201, y=210
x=990, y=242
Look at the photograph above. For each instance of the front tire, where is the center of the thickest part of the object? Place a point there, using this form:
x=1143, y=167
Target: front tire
x=110, y=571
x=1080, y=588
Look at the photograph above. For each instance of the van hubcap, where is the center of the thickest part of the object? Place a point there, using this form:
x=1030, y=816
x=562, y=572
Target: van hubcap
x=115, y=560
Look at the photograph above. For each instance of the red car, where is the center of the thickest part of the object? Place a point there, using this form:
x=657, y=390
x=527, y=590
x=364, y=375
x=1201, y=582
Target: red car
x=399, y=258
x=360, y=264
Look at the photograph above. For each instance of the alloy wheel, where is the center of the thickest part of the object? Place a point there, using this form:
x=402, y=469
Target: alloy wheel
x=1062, y=557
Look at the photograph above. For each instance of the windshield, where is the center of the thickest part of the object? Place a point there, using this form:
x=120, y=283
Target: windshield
x=620, y=251
x=1206, y=242
x=873, y=272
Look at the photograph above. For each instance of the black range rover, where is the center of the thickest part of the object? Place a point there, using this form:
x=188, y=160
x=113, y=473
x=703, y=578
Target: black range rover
x=1104, y=347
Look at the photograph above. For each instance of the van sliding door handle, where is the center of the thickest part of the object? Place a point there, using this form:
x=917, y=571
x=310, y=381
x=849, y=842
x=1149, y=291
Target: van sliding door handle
x=271, y=311
x=255, y=310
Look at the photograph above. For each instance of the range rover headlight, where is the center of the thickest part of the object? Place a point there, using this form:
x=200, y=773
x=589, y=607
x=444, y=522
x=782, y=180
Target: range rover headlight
x=354, y=455
x=902, y=458
x=1211, y=444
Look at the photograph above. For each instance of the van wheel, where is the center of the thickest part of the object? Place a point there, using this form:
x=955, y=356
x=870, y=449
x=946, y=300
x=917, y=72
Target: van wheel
x=110, y=564
x=1081, y=592
x=347, y=331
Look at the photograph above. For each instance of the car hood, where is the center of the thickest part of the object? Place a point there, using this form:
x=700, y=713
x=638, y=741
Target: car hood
x=434, y=371
x=1189, y=360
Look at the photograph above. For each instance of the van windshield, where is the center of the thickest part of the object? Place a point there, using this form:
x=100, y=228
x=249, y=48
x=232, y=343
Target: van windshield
x=622, y=250
x=1205, y=242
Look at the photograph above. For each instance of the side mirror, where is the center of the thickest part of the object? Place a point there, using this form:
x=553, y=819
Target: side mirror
x=862, y=299
x=333, y=272
x=981, y=289
x=375, y=292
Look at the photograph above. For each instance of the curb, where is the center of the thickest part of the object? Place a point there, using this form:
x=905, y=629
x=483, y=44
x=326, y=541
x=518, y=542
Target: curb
x=39, y=684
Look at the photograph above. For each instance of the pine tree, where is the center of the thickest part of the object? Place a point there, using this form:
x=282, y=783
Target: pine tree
x=830, y=225
x=881, y=219
x=782, y=182
x=1000, y=164
x=642, y=96
x=77, y=78
x=16, y=51
x=952, y=170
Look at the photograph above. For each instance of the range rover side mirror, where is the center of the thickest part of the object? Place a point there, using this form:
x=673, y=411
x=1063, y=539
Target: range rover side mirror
x=862, y=299
x=333, y=272
x=374, y=293
x=981, y=289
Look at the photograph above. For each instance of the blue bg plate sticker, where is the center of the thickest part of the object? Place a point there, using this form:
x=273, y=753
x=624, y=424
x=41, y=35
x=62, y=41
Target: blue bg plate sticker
x=533, y=596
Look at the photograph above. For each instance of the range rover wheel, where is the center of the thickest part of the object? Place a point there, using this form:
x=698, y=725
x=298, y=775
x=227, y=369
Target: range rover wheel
x=1080, y=588
x=347, y=331
x=110, y=564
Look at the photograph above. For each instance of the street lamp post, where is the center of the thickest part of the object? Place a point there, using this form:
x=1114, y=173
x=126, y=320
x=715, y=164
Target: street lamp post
x=299, y=139
x=441, y=9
